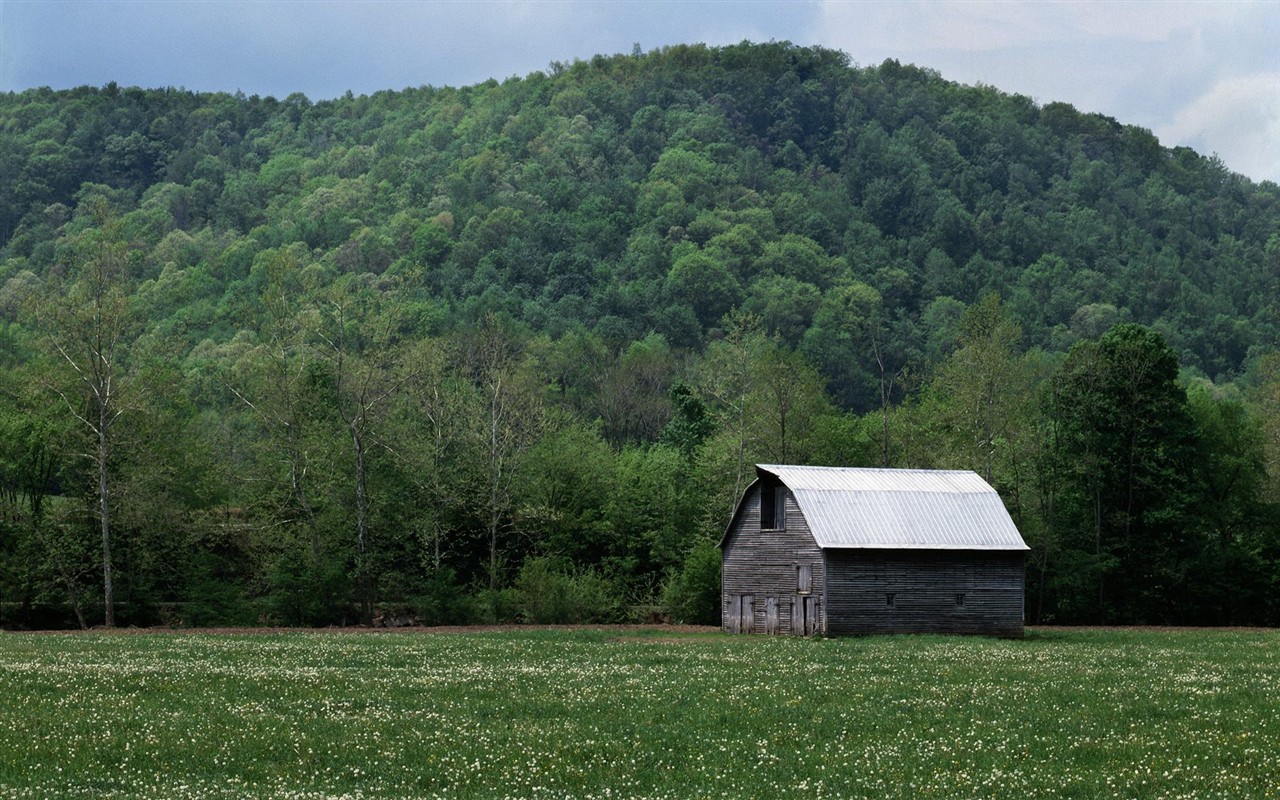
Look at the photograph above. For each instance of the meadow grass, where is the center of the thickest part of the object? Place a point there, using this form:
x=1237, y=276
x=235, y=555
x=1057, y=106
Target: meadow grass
x=599, y=714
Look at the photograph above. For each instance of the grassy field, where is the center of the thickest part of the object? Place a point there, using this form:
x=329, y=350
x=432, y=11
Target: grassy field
x=616, y=714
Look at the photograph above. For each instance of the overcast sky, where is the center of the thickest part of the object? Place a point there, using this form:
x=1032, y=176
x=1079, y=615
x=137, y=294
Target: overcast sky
x=1202, y=74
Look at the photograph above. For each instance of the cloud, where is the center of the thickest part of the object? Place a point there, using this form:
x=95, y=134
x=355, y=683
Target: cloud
x=1239, y=119
x=1196, y=73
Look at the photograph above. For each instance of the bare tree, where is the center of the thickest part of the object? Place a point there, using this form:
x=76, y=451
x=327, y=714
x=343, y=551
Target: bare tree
x=440, y=412
x=514, y=417
x=88, y=324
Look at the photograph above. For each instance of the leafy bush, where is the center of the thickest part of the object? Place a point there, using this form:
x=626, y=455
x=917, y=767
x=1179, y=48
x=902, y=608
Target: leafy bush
x=492, y=606
x=441, y=601
x=308, y=593
x=548, y=595
x=692, y=595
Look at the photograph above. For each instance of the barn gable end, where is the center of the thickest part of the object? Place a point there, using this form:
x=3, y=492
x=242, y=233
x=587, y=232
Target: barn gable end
x=859, y=551
x=770, y=576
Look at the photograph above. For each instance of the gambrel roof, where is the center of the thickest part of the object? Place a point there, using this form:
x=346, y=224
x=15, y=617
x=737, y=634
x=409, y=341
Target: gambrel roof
x=914, y=509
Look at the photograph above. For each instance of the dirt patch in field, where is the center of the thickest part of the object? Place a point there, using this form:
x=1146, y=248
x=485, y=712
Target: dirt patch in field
x=637, y=634
x=631, y=632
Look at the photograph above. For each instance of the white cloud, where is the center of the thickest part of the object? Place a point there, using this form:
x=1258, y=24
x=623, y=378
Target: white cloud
x=984, y=25
x=1201, y=74
x=1239, y=118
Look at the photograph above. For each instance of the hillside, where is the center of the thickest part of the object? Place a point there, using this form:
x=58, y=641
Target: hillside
x=651, y=244
x=631, y=194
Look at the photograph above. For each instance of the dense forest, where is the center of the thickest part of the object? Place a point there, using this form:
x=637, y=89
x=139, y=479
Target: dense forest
x=510, y=351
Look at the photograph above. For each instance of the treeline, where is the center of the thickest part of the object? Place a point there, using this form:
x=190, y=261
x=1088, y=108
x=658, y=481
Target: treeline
x=509, y=351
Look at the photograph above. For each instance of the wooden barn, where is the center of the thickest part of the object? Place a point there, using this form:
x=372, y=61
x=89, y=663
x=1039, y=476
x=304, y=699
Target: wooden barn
x=841, y=551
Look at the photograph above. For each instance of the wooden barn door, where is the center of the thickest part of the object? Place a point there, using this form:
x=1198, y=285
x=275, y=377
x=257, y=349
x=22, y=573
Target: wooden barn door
x=741, y=613
x=804, y=615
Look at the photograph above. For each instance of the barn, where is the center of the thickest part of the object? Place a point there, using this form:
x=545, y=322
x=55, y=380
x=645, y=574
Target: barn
x=849, y=551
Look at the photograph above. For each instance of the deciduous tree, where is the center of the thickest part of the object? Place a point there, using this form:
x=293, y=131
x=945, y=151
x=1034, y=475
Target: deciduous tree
x=88, y=325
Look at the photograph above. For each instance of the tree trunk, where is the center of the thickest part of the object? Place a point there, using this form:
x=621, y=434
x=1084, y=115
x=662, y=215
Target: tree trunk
x=104, y=514
x=495, y=477
x=300, y=494
x=362, y=531
x=1097, y=550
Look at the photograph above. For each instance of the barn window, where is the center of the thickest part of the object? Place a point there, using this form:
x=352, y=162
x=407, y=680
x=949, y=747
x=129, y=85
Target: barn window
x=888, y=598
x=960, y=599
x=804, y=578
x=773, y=507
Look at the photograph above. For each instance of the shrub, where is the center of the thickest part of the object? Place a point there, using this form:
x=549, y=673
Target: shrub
x=549, y=595
x=441, y=600
x=304, y=592
x=692, y=595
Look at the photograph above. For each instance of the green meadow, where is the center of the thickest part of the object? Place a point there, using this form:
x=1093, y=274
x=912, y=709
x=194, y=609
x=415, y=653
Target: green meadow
x=639, y=713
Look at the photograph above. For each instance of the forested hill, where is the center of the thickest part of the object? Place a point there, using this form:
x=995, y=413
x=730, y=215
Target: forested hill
x=655, y=192
x=509, y=351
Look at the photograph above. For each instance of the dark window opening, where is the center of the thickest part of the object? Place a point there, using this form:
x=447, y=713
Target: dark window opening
x=888, y=598
x=773, y=507
x=959, y=599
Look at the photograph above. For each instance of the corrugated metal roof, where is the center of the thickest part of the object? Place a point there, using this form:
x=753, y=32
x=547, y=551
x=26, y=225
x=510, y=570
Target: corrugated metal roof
x=848, y=507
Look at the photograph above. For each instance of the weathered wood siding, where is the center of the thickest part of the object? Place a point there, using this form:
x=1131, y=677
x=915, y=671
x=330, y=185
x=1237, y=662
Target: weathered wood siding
x=760, y=573
x=935, y=591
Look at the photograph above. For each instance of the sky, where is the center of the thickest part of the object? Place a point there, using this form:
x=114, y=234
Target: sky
x=1202, y=73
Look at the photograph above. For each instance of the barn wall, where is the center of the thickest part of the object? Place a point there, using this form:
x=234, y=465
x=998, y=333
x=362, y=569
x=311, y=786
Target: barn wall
x=762, y=566
x=926, y=588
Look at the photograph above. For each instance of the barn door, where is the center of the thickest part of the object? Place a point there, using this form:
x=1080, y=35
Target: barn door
x=741, y=613
x=804, y=615
x=771, y=625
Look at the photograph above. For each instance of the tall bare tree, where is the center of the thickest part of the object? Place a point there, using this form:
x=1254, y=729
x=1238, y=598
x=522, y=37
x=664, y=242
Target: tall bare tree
x=513, y=417
x=88, y=324
x=439, y=416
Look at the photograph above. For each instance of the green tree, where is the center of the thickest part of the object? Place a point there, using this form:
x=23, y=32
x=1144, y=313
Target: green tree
x=355, y=330
x=631, y=395
x=729, y=378
x=705, y=283
x=437, y=413
x=566, y=481
x=1233, y=556
x=790, y=398
x=985, y=385
x=273, y=381
x=34, y=552
x=1266, y=398
x=1125, y=436
x=840, y=343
